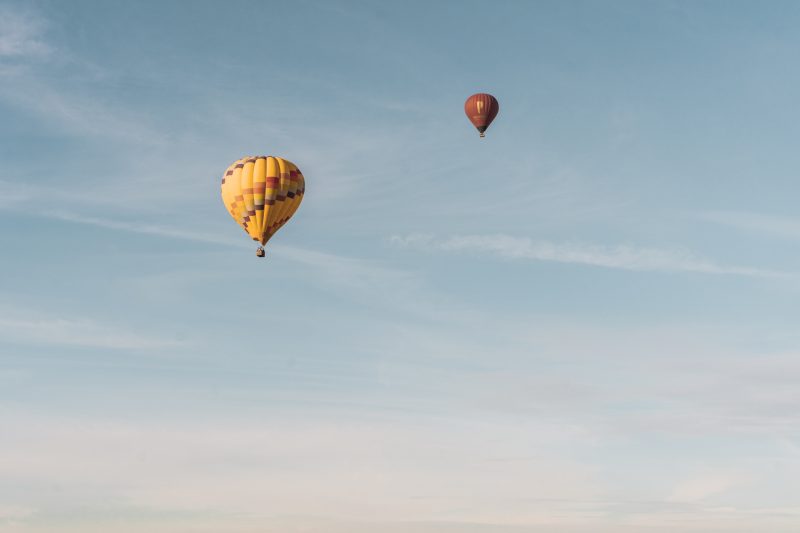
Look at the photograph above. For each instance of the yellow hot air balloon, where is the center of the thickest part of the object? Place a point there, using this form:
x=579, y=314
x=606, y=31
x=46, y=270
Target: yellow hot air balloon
x=261, y=194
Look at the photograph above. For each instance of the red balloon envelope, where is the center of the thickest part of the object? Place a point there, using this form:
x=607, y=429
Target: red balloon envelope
x=481, y=109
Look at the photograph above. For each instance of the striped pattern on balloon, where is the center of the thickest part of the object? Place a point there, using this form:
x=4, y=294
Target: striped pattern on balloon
x=262, y=193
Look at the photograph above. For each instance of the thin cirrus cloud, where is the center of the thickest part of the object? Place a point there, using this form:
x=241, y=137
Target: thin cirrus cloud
x=21, y=34
x=359, y=279
x=445, y=476
x=141, y=227
x=779, y=226
x=39, y=329
x=76, y=115
x=624, y=257
x=24, y=51
x=82, y=112
x=331, y=467
x=701, y=487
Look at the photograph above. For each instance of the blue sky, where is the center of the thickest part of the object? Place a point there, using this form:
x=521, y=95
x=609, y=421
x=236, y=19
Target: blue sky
x=586, y=322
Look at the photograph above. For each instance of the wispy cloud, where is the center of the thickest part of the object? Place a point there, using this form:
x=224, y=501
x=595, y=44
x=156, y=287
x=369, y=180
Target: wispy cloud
x=779, y=226
x=21, y=33
x=359, y=278
x=617, y=257
x=78, y=115
x=22, y=328
x=143, y=228
x=74, y=104
x=302, y=465
x=700, y=487
x=324, y=474
x=13, y=513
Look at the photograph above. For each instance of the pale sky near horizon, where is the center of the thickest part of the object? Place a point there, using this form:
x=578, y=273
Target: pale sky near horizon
x=585, y=322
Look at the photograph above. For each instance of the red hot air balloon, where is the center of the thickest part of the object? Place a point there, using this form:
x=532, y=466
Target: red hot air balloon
x=481, y=109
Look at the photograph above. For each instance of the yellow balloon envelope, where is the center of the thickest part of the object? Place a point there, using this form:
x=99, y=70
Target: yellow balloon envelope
x=262, y=193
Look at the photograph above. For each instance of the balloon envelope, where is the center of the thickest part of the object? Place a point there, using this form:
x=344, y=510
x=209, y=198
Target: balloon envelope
x=262, y=193
x=481, y=109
